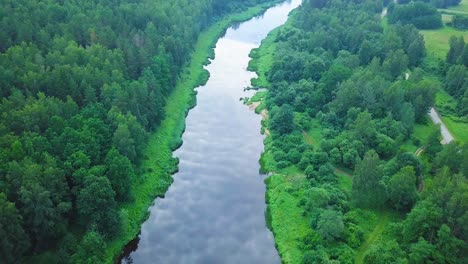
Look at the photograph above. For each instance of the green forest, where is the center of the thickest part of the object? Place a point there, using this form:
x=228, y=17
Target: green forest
x=84, y=85
x=359, y=174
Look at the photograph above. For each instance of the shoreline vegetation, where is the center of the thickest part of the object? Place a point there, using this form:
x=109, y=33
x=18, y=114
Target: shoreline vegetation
x=159, y=164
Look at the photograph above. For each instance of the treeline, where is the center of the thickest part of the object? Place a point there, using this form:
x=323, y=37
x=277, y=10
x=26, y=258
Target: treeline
x=434, y=231
x=335, y=63
x=455, y=74
x=420, y=14
x=82, y=84
x=435, y=3
x=459, y=22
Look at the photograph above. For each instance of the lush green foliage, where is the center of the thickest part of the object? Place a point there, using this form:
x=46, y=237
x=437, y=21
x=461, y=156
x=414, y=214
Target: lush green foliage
x=422, y=15
x=335, y=64
x=460, y=22
x=82, y=86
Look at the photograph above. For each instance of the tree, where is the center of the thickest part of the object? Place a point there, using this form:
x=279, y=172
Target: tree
x=282, y=120
x=422, y=252
x=433, y=143
x=120, y=174
x=13, y=240
x=402, y=189
x=96, y=205
x=364, y=128
x=92, y=249
x=416, y=51
x=456, y=49
x=395, y=63
x=423, y=221
x=456, y=80
x=368, y=190
x=383, y=253
x=330, y=225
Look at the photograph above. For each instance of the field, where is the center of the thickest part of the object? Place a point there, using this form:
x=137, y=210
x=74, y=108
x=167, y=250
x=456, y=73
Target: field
x=437, y=44
x=437, y=40
x=461, y=8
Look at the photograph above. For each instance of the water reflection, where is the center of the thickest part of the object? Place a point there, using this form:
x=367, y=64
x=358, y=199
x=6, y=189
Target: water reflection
x=214, y=210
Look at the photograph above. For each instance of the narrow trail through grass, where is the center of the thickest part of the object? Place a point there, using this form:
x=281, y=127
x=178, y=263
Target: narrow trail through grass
x=384, y=220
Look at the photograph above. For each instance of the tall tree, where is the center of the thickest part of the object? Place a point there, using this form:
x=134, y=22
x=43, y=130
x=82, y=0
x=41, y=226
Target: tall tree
x=368, y=189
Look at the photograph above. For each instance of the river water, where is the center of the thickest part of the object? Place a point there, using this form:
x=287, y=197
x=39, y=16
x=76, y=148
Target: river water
x=214, y=210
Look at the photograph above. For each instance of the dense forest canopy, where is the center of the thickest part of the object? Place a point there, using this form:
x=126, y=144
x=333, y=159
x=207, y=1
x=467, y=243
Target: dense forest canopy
x=82, y=84
x=336, y=65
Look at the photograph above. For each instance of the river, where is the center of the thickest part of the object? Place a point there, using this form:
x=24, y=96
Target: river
x=214, y=212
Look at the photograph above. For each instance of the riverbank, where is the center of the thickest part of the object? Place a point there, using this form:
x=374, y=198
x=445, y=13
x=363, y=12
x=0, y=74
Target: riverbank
x=159, y=164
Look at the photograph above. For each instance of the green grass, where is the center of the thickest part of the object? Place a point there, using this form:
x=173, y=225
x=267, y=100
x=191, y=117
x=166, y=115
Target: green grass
x=437, y=42
x=380, y=222
x=285, y=217
x=462, y=7
x=345, y=182
x=160, y=165
x=262, y=59
x=457, y=128
x=315, y=132
x=422, y=131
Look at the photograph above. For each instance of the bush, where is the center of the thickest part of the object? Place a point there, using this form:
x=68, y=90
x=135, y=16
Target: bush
x=421, y=15
x=460, y=22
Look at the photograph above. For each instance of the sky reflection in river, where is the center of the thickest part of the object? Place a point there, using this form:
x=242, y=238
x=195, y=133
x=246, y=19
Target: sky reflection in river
x=214, y=210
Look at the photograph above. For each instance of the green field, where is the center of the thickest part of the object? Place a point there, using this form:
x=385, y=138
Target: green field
x=458, y=128
x=462, y=7
x=159, y=165
x=437, y=41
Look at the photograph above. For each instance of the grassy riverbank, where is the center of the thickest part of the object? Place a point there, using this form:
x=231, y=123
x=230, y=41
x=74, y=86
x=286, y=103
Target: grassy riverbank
x=159, y=164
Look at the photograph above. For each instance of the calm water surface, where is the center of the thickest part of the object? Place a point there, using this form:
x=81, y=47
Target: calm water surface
x=214, y=210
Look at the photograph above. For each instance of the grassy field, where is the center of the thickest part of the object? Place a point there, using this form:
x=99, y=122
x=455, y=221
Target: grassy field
x=458, y=129
x=437, y=41
x=160, y=165
x=462, y=7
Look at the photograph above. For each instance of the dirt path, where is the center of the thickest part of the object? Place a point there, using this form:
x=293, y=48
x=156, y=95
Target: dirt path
x=419, y=151
x=307, y=138
x=263, y=113
x=253, y=106
x=446, y=135
x=373, y=237
x=343, y=172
